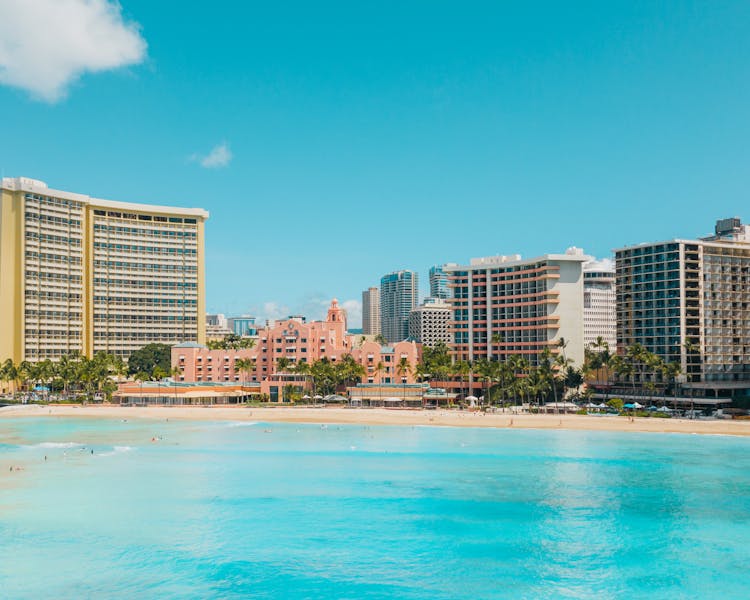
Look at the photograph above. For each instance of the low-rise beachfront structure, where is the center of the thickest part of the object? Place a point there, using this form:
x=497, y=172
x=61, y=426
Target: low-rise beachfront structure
x=283, y=345
x=389, y=395
x=173, y=393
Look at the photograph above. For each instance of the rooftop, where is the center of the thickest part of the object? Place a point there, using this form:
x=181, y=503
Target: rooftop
x=35, y=186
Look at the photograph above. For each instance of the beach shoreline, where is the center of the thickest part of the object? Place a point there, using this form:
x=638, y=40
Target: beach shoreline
x=380, y=416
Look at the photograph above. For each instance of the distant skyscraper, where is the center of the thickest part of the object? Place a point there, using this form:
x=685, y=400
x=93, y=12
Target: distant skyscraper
x=242, y=326
x=371, y=311
x=439, y=282
x=429, y=323
x=399, y=292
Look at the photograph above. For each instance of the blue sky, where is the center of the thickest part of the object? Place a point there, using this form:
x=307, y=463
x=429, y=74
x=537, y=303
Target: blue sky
x=334, y=142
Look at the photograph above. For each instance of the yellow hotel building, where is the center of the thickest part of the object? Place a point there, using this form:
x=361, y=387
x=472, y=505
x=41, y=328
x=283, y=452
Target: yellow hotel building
x=80, y=274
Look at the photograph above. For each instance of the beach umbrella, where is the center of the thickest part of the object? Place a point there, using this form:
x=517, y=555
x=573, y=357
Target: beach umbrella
x=628, y=406
x=474, y=398
x=306, y=397
x=664, y=409
x=317, y=397
x=636, y=405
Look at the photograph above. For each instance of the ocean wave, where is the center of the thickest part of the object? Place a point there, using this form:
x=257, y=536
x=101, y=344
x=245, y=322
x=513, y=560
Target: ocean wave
x=63, y=445
x=241, y=423
x=117, y=450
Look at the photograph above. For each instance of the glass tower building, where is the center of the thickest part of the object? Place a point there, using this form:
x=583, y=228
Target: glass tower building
x=399, y=292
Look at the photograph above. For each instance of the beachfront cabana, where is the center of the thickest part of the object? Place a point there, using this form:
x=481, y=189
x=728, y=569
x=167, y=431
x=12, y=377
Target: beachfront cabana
x=560, y=407
x=412, y=395
x=169, y=393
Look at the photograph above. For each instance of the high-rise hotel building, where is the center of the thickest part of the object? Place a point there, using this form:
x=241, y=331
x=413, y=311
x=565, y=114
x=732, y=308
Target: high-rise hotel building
x=599, y=303
x=399, y=293
x=371, y=311
x=504, y=306
x=80, y=274
x=689, y=301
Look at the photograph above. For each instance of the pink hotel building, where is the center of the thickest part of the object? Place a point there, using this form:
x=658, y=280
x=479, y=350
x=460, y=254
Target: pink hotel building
x=297, y=341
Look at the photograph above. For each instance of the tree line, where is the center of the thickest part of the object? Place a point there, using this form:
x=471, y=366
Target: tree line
x=74, y=375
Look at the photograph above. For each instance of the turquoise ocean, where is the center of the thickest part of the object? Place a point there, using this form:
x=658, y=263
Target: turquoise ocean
x=186, y=509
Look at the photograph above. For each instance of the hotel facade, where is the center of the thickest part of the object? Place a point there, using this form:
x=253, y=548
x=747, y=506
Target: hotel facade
x=399, y=293
x=371, y=311
x=429, y=323
x=80, y=274
x=599, y=303
x=296, y=341
x=504, y=306
x=689, y=301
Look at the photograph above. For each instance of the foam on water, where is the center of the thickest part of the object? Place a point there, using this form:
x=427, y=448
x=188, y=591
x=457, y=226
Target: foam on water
x=117, y=450
x=53, y=445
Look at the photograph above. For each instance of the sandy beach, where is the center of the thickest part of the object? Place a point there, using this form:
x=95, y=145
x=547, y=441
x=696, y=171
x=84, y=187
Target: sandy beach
x=381, y=416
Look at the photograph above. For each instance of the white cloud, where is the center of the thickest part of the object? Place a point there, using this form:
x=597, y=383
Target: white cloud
x=220, y=156
x=274, y=310
x=602, y=264
x=353, y=310
x=45, y=45
x=313, y=308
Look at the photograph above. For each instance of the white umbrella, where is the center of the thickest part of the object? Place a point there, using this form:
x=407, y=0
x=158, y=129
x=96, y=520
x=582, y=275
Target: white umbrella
x=636, y=405
x=317, y=397
x=472, y=398
x=305, y=397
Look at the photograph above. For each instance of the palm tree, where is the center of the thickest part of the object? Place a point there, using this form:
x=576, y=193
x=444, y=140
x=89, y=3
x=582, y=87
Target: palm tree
x=496, y=340
x=691, y=350
x=9, y=372
x=379, y=368
x=600, y=357
x=671, y=371
x=403, y=368
x=461, y=369
x=244, y=366
x=23, y=372
x=548, y=370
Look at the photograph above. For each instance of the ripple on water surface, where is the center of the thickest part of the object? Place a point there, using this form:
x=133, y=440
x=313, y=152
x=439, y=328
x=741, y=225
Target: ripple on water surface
x=234, y=510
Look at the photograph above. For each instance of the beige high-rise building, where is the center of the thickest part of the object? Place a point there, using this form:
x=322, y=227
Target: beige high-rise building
x=504, y=305
x=371, y=311
x=599, y=303
x=688, y=301
x=80, y=274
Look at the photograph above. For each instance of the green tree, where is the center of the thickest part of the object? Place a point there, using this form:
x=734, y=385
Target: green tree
x=244, y=366
x=403, y=368
x=9, y=371
x=283, y=364
x=150, y=356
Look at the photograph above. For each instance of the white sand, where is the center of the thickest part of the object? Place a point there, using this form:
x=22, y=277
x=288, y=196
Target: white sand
x=380, y=416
